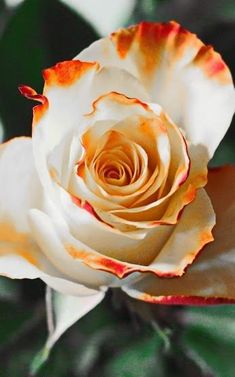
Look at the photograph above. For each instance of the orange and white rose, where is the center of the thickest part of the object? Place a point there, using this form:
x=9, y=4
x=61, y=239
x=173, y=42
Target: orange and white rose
x=109, y=192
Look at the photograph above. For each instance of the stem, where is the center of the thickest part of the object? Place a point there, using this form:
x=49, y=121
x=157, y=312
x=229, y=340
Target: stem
x=49, y=311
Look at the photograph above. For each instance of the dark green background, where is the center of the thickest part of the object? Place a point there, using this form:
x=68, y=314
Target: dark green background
x=121, y=337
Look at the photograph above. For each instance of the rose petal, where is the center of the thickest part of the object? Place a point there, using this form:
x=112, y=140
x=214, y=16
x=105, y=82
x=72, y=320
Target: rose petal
x=110, y=242
x=210, y=280
x=70, y=88
x=20, y=187
x=52, y=236
x=15, y=266
x=68, y=250
x=188, y=79
x=146, y=125
x=20, y=256
x=190, y=234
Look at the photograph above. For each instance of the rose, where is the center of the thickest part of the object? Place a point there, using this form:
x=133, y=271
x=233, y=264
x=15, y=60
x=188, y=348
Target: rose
x=109, y=190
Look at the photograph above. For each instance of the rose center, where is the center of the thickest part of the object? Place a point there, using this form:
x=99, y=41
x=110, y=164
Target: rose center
x=113, y=168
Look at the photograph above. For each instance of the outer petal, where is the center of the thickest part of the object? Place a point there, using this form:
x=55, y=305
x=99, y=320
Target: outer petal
x=55, y=241
x=70, y=88
x=20, y=190
x=211, y=279
x=188, y=79
x=20, y=187
x=20, y=256
x=70, y=255
x=17, y=267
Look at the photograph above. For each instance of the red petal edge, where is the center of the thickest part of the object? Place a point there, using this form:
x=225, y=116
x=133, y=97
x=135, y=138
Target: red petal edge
x=38, y=110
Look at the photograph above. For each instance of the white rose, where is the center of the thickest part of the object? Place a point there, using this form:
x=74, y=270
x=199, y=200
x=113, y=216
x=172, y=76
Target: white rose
x=109, y=192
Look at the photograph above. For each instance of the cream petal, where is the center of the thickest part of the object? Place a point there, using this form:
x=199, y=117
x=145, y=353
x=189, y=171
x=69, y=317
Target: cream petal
x=133, y=247
x=191, y=233
x=168, y=209
x=55, y=241
x=144, y=125
x=210, y=280
x=20, y=186
x=125, y=194
x=70, y=88
x=185, y=239
x=20, y=191
x=188, y=79
x=122, y=254
x=20, y=256
x=79, y=189
x=63, y=157
x=15, y=266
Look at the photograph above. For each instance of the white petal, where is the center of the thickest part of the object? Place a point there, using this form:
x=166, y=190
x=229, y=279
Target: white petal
x=55, y=239
x=20, y=256
x=188, y=79
x=210, y=280
x=20, y=188
x=17, y=267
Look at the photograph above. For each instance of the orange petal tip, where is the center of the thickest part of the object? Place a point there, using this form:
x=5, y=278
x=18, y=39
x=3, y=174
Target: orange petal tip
x=67, y=72
x=31, y=94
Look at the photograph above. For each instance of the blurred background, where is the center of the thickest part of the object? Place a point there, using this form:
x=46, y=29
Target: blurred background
x=121, y=337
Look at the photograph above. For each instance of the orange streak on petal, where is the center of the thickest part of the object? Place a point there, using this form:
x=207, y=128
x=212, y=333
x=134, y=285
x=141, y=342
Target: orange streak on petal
x=81, y=169
x=190, y=194
x=184, y=300
x=97, y=262
x=14, y=242
x=212, y=64
x=123, y=40
x=86, y=206
x=67, y=72
x=200, y=180
x=114, y=266
x=120, y=99
x=86, y=139
x=154, y=38
x=54, y=174
x=39, y=110
x=206, y=237
x=76, y=200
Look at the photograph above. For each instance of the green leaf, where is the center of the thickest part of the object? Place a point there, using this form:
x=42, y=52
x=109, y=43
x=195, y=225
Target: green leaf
x=38, y=34
x=140, y=359
x=209, y=339
x=13, y=318
x=9, y=289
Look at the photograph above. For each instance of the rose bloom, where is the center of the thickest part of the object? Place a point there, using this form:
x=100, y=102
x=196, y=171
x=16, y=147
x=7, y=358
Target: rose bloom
x=113, y=189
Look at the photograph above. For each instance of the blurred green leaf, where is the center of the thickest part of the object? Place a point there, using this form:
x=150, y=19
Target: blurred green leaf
x=140, y=359
x=224, y=154
x=12, y=318
x=60, y=364
x=38, y=34
x=209, y=339
x=9, y=289
x=98, y=318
